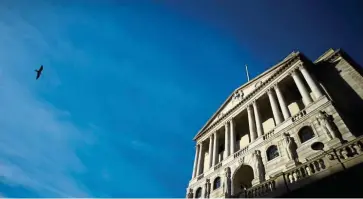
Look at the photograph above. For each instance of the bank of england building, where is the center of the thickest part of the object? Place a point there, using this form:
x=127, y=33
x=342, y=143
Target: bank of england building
x=292, y=127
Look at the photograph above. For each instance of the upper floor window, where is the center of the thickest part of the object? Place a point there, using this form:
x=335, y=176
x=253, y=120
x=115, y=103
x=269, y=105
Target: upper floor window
x=305, y=134
x=217, y=183
x=272, y=152
x=198, y=193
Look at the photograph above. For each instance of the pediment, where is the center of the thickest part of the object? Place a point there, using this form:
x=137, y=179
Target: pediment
x=237, y=96
x=243, y=91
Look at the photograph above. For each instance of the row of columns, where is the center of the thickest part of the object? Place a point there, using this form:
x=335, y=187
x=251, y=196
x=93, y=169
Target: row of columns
x=254, y=120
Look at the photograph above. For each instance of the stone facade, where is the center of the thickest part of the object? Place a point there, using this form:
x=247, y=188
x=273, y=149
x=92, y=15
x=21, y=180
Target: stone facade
x=258, y=144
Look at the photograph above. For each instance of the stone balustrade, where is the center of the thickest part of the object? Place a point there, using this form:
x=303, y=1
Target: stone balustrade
x=302, y=171
x=269, y=134
x=258, y=191
x=319, y=164
x=241, y=152
x=219, y=165
x=298, y=116
x=350, y=149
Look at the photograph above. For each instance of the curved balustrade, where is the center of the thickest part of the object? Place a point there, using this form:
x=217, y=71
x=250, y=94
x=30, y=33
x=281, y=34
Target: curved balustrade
x=305, y=170
x=314, y=166
x=261, y=189
x=350, y=149
x=258, y=190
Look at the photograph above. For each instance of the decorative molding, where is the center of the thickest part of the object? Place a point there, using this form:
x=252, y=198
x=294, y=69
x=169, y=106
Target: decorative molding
x=241, y=160
x=269, y=91
x=258, y=84
x=300, y=65
x=293, y=72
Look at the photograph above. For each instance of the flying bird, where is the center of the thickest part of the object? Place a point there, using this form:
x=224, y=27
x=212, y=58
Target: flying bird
x=39, y=72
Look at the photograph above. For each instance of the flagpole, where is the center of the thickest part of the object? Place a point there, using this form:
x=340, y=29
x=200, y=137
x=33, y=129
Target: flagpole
x=248, y=76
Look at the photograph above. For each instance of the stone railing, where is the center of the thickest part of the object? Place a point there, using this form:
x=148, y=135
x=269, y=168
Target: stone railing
x=318, y=164
x=261, y=189
x=290, y=179
x=349, y=150
x=257, y=191
x=240, y=152
x=217, y=166
x=307, y=169
x=268, y=134
x=298, y=116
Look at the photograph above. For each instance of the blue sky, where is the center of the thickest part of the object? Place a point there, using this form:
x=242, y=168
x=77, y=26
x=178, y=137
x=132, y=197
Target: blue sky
x=127, y=84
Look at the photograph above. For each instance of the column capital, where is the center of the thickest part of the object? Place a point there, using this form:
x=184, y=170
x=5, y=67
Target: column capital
x=269, y=91
x=292, y=72
x=275, y=85
x=300, y=65
x=232, y=122
x=249, y=107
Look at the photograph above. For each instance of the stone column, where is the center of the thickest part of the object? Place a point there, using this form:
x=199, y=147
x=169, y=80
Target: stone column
x=257, y=119
x=309, y=79
x=251, y=123
x=275, y=108
x=196, y=160
x=210, y=150
x=226, y=140
x=200, y=159
x=301, y=87
x=233, y=137
x=215, y=149
x=281, y=99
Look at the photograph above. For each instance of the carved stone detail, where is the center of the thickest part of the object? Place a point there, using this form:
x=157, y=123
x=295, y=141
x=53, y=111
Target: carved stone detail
x=238, y=95
x=259, y=168
x=190, y=193
x=207, y=186
x=227, y=182
x=290, y=147
x=327, y=124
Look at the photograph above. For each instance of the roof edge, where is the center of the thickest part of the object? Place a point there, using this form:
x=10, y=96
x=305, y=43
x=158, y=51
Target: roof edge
x=284, y=61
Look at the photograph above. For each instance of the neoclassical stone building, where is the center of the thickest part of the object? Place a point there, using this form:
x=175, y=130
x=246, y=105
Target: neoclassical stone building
x=295, y=124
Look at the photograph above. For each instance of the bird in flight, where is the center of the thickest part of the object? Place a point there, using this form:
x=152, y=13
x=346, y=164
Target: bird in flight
x=39, y=72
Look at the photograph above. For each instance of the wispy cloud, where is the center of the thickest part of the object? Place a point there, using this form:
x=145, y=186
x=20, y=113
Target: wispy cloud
x=38, y=142
x=115, y=101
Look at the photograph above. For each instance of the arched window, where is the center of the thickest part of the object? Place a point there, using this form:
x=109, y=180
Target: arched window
x=305, y=134
x=198, y=193
x=272, y=152
x=217, y=183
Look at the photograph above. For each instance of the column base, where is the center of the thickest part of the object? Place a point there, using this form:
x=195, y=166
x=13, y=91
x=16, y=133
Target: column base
x=291, y=164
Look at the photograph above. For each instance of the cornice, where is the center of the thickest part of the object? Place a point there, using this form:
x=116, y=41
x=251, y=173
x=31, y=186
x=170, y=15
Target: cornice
x=292, y=61
x=338, y=53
